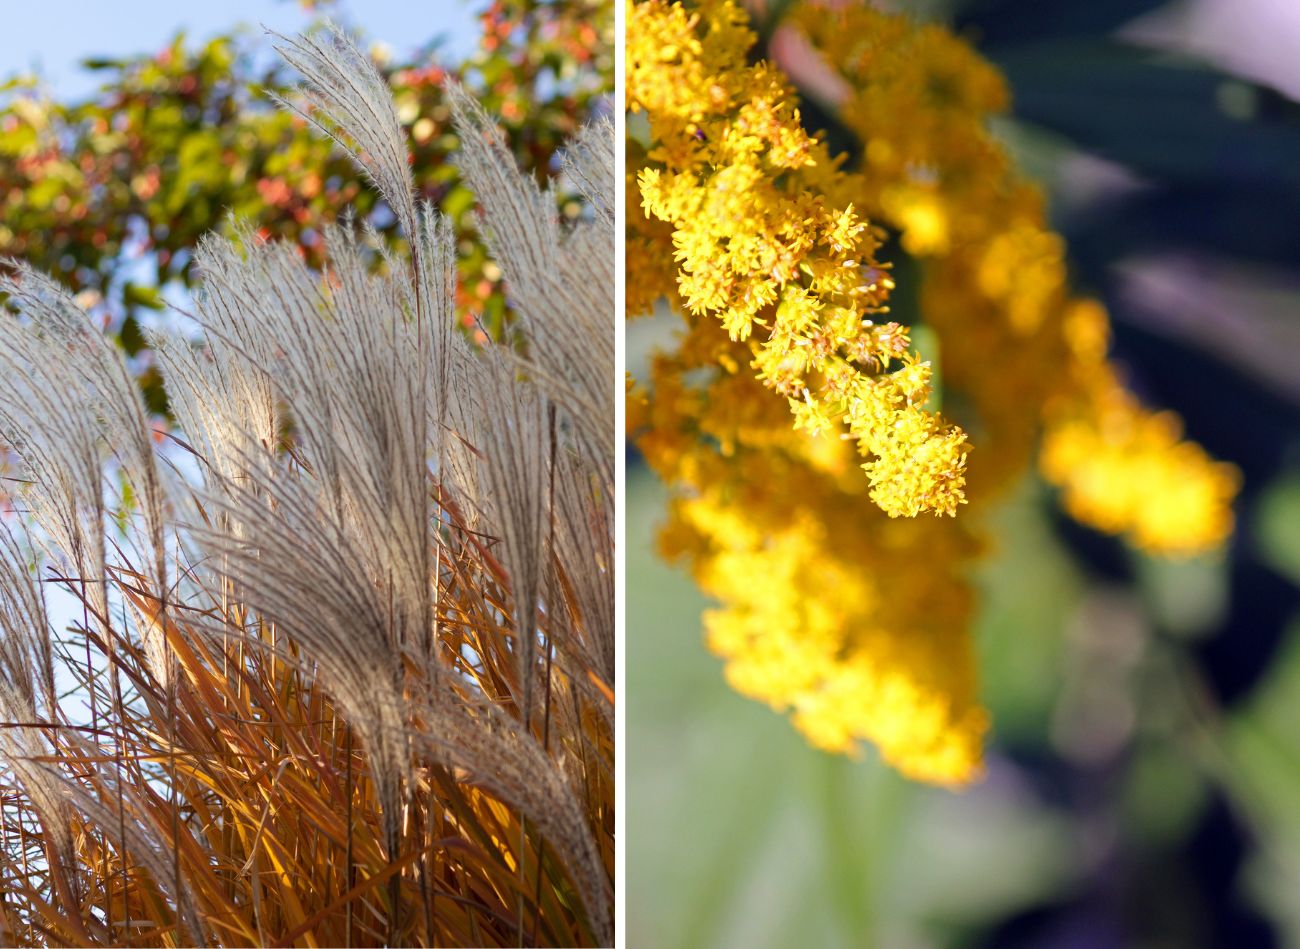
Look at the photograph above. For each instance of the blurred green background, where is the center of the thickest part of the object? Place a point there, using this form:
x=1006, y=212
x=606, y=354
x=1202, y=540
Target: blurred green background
x=741, y=834
x=1143, y=784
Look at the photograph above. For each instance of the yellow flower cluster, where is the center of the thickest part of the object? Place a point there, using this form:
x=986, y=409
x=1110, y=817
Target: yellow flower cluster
x=765, y=244
x=776, y=522
x=1124, y=469
x=830, y=607
x=995, y=287
x=823, y=610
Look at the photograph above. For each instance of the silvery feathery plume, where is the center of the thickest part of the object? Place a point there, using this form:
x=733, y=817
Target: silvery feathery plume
x=560, y=281
x=543, y=419
x=27, y=694
x=227, y=408
x=57, y=441
x=333, y=548
x=346, y=99
x=338, y=543
x=69, y=399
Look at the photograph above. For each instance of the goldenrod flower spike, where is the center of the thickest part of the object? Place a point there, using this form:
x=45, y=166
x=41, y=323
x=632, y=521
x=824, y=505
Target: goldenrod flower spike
x=764, y=246
x=783, y=301
x=996, y=286
x=836, y=603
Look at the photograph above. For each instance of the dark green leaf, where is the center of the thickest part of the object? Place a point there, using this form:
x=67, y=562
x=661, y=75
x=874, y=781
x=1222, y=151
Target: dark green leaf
x=1164, y=118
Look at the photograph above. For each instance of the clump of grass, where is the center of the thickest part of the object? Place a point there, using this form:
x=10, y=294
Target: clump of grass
x=342, y=672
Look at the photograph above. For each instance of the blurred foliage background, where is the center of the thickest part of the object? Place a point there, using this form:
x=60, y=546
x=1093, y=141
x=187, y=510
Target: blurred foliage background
x=110, y=192
x=1143, y=786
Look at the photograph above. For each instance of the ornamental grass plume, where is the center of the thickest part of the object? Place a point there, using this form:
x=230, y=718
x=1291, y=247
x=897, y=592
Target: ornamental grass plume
x=346, y=646
x=841, y=600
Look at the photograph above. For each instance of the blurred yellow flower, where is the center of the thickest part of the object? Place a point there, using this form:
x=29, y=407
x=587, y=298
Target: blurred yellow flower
x=1030, y=358
x=1121, y=468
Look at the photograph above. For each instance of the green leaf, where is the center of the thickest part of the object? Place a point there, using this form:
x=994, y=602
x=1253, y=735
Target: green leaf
x=459, y=200
x=133, y=294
